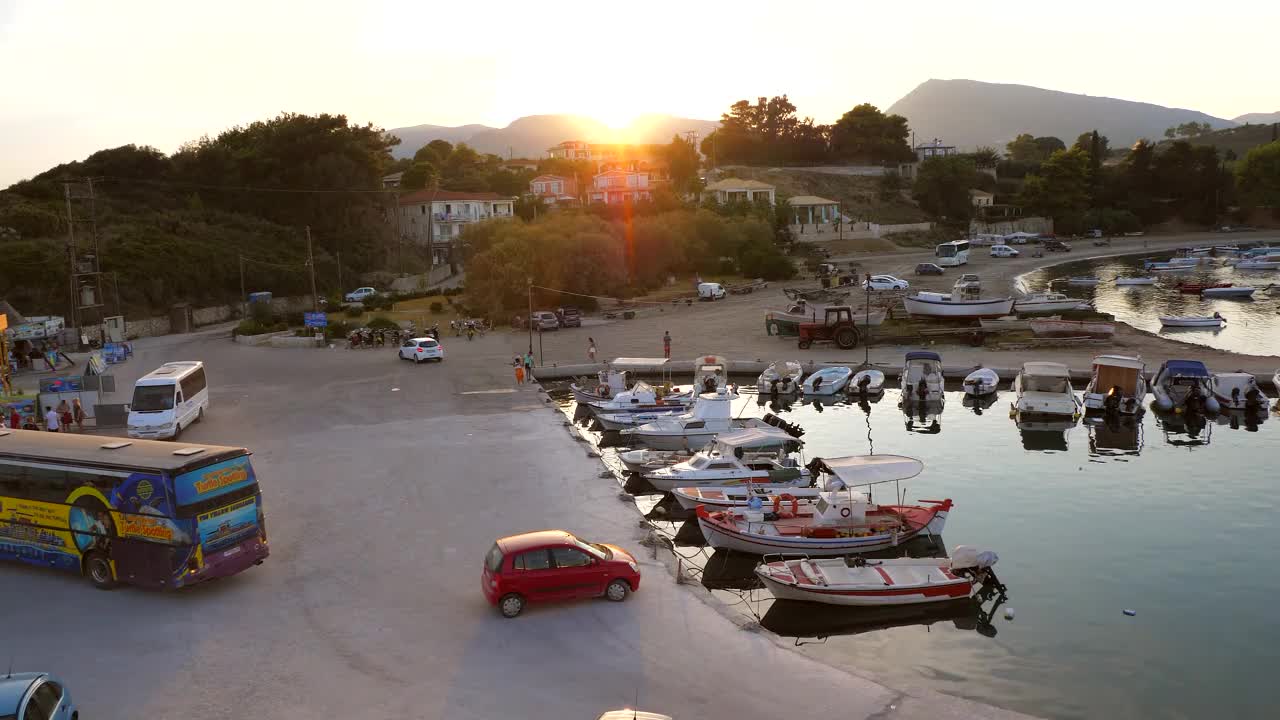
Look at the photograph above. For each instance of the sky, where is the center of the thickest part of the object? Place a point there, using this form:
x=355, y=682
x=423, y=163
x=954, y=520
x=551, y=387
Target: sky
x=83, y=76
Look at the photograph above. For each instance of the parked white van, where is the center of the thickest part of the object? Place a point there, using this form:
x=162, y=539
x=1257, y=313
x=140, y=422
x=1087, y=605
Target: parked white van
x=1003, y=251
x=710, y=291
x=168, y=399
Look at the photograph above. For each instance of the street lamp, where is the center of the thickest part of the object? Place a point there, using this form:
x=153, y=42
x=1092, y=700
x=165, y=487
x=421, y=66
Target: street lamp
x=529, y=318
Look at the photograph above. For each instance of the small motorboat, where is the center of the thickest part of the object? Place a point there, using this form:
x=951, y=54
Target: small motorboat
x=1239, y=391
x=866, y=383
x=929, y=304
x=862, y=582
x=724, y=464
x=1083, y=281
x=921, y=379
x=1166, y=268
x=722, y=497
x=644, y=460
x=1183, y=384
x=1197, y=288
x=622, y=420
x=1136, y=281
x=980, y=382
x=709, y=417
x=1184, y=262
x=1269, y=262
x=1234, y=291
x=1044, y=389
x=1118, y=385
x=1047, y=303
x=642, y=397
x=1196, y=321
x=827, y=381
x=780, y=378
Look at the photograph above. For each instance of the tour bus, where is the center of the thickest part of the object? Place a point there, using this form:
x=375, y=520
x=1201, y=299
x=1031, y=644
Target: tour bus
x=168, y=399
x=138, y=512
x=951, y=254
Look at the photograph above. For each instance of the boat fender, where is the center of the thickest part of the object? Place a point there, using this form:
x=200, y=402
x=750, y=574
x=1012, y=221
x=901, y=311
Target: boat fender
x=777, y=505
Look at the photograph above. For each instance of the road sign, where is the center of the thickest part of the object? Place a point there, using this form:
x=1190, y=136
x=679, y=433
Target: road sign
x=315, y=319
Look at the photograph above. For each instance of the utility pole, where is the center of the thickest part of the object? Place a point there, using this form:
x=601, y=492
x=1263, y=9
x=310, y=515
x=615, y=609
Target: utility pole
x=340, y=285
x=529, y=317
x=244, y=297
x=85, y=283
x=311, y=266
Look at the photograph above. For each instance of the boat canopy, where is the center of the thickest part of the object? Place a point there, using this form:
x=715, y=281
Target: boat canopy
x=857, y=470
x=1046, y=369
x=1123, y=361
x=753, y=437
x=637, y=364
x=1186, y=368
x=923, y=355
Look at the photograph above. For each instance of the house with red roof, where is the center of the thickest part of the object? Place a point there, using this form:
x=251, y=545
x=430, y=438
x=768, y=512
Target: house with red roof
x=554, y=189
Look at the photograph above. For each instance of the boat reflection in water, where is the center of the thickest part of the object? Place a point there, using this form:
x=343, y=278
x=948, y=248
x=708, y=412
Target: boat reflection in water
x=1114, y=435
x=800, y=620
x=979, y=403
x=1045, y=435
x=924, y=418
x=1249, y=420
x=777, y=403
x=1181, y=429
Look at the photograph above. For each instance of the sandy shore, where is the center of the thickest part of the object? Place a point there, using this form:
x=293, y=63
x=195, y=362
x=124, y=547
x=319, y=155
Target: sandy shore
x=734, y=327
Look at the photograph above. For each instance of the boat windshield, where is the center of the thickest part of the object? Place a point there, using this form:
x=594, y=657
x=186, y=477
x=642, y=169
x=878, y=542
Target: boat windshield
x=698, y=463
x=1045, y=383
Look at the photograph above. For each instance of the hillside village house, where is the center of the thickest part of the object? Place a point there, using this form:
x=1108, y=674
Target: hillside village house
x=981, y=198
x=813, y=214
x=615, y=156
x=392, y=181
x=731, y=190
x=571, y=150
x=614, y=187
x=924, y=151
x=436, y=217
x=554, y=189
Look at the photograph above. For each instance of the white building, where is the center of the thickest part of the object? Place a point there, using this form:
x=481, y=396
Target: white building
x=981, y=198
x=731, y=190
x=436, y=217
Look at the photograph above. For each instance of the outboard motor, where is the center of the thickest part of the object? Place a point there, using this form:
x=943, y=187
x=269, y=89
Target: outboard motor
x=773, y=386
x=863, y=384
x=791, y=429
x=922, y=391
x=1111, y=404
x=817, y=383
x=1253, y=400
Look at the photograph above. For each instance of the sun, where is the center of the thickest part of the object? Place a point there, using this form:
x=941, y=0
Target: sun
x=617, y=117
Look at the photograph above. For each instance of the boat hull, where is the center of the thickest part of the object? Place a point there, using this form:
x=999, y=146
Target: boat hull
x=833, y=381
x=1190, y=322
x=783, y=584
x=924, y=307
x=666, y=481
x=719, y=534
x=720, y=497
x=621, y=421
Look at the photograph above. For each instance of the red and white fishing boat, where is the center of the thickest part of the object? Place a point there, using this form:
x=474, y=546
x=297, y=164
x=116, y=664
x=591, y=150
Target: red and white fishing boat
x=838, y=521
x=859, y=581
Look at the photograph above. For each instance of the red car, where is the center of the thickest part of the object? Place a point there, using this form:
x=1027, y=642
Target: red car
x=555, y=565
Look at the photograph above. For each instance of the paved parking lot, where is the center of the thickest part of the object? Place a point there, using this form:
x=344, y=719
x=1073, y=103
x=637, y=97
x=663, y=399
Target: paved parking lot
x=384, y=485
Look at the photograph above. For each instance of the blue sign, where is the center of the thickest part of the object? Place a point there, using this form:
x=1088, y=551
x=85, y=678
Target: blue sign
x=315, y=319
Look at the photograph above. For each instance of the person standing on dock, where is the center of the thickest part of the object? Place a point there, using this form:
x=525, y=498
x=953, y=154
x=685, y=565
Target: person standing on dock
x=528, y=367
x=591, y=349
x=666, y=344
x=518, y=364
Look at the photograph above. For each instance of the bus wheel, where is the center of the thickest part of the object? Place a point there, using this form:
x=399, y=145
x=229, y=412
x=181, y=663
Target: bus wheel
x=98, y=569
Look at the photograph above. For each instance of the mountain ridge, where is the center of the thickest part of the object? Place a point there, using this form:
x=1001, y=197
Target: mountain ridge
x=530, y=135
x=1258, y=118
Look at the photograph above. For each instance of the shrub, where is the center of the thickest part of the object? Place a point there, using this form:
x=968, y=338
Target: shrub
x=353, y=311
x=253, y=327
x=383, y=323
x=261, y=312
x=436, y=308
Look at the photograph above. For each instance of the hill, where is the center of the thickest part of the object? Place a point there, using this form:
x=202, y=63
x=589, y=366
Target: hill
x=530, y=136
x=968, y=113
x=1239, y=140
x=1258, y=118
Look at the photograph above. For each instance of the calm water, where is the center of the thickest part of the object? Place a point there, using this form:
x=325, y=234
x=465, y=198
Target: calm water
x=1253, y=326
x=1174, y=523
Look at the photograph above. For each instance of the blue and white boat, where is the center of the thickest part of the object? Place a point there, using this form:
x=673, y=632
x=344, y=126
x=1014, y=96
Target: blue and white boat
x=1183, y=384
x=827, y=381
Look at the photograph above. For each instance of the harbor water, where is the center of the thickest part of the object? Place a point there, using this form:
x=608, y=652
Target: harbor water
x=1252, y=327
x=1134, y=555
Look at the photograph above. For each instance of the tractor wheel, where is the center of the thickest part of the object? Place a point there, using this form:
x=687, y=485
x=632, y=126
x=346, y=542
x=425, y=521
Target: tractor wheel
x=804, y=344
x=846, y=338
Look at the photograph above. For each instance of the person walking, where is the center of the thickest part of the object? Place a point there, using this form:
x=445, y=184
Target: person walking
x=64, y=414
x=51, y=419
x=77, y=413
x=666, y=344
x=519, y=368
x=591, y=349
x=528, y=367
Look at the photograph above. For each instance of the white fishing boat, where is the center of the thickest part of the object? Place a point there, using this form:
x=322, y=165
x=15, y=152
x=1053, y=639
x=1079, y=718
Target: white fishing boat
x=980, y=382
x=1118, y=385
x=866, y=383
x=1271, y=263
x=1047, y=303
x=780, y=378
x=1183, y=384
x=921, y=380
x=623, y=420
x=643, y=460
x=727, y=462
x=710, y=374
x=1165, y=268
x=1235, y=291
x=1198, y=321
x=1135, y=281
x=642, y=397
x=926, y=304
x=709, y=417
x=1089, y=281
x=722, y=497
x=1239, y=391
x=827, y=381
x=860, y=582
x=1044, y=389
x=619, y=375
x=839, y=522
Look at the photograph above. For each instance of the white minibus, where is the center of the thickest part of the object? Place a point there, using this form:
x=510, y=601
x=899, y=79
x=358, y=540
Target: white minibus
x=168, y=399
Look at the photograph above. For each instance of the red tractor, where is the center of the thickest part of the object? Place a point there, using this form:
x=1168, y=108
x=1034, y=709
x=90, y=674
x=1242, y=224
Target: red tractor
x=836, y=327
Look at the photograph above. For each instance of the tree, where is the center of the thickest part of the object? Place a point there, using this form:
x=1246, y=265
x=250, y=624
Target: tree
x=419, y=175
x=985, y=156
x=889, y=186
x=682, y=163
x=1048, y=146
x=1060, y=189
x=942, y=187
x=867, y=135
x=766, y=132
x=1171, y=132
x=1258, y=175
x=1023, y=149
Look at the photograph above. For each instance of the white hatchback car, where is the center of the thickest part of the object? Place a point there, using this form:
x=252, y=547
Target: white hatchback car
x=1003, y=251
x=420, y=349
x=886, y=282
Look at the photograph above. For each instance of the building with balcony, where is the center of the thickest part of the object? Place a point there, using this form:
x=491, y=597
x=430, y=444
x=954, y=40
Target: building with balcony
x=554, y=189
x=614, y=187
x=435, y=218
x=731, y=190
x=571, y=150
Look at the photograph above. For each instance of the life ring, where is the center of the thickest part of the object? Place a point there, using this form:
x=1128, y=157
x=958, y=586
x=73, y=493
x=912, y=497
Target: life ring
x=777, y=504
x=845, y=512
